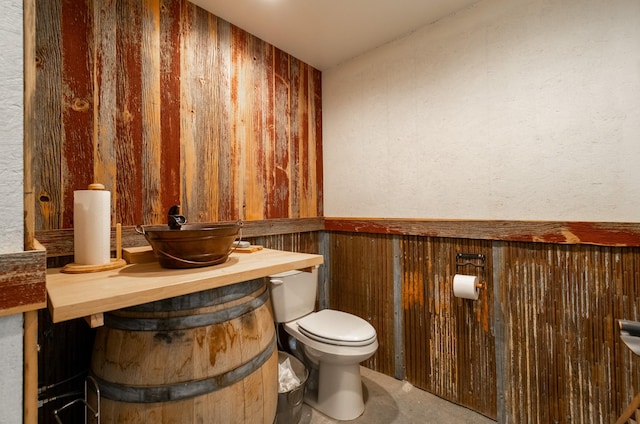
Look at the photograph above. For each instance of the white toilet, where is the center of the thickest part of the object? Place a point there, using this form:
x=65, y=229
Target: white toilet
x=334, y=342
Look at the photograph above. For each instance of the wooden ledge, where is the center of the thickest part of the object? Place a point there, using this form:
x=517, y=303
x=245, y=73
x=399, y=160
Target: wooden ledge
x=23, y=281
x=90, y=295
x=618, y=234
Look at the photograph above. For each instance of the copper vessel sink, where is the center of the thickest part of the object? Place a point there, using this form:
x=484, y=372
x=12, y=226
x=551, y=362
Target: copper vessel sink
x=191, y=245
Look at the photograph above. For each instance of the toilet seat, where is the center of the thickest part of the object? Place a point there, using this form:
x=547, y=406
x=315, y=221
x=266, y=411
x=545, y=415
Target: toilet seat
x=337, y=328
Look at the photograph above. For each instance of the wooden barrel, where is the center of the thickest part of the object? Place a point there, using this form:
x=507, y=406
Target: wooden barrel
x=208, y=357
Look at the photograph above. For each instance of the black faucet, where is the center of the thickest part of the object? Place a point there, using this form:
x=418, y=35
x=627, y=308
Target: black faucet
x=175, y=220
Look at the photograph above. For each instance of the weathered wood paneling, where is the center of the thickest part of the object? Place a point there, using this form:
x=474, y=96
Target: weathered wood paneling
x=77, y=147
x=47, y=132
x=167, y=104
x=124, y=156
x=169, y=137
x=22, y=282
x=598, y=233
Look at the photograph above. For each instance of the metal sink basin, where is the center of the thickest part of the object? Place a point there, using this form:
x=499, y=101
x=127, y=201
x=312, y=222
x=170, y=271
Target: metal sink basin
x=191, y=245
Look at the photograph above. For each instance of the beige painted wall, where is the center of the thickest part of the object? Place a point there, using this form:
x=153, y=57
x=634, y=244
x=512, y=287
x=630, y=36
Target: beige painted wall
x=506, y=110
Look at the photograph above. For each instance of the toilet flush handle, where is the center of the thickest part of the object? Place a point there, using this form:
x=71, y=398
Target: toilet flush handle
x=276, y=282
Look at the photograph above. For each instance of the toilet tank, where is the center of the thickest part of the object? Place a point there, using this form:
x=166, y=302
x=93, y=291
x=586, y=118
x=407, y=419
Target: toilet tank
x=293, y=294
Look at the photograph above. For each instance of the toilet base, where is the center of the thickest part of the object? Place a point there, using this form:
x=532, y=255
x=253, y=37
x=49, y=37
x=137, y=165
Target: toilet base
x=339, y=392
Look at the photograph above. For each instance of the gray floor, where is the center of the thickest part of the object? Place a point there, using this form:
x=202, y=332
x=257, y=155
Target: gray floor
x=388, y=400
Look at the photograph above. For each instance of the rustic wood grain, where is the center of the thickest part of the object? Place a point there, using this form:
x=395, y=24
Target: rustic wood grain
x=170, y=60
x=77, y=74
x=78, y=295
x=22, y=281
x=315, y=139
x=559, y=232
x=152, y=206
x=105, y=59
x=259, y=54
x=127, y=194
x=227, y=202
x=46, y=140
x=199, y=160
x=167, y=104
x=137, y=359
x=278, y=200
x=60, y=242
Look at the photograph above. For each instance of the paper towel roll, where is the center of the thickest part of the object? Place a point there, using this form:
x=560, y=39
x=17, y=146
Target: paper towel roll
x=466, y=286
x=92, y=226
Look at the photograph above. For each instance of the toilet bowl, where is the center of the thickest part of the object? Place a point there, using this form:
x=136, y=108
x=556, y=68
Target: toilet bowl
x=333, y=342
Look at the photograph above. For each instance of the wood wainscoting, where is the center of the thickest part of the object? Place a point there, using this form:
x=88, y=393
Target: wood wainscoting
x=540, y=344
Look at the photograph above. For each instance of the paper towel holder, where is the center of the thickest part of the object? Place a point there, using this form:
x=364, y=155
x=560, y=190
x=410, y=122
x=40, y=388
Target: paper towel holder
x=475, y=260
x=114, y=263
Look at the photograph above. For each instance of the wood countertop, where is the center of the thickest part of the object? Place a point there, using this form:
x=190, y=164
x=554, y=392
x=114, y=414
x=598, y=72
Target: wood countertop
x=89, y=295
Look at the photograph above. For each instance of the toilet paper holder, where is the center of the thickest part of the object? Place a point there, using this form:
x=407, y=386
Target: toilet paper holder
x=475, y=260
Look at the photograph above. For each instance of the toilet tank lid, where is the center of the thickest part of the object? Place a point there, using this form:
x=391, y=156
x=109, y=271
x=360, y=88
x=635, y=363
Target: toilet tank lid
x=337, y=325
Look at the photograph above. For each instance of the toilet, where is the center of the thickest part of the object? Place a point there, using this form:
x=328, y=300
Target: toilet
x=333, y=343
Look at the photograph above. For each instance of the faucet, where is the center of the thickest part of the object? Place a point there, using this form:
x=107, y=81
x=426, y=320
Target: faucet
x=175, y=220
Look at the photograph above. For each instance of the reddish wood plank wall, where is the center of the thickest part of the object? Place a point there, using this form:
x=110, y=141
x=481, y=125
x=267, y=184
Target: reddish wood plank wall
x=167, y=104
x=22, y=281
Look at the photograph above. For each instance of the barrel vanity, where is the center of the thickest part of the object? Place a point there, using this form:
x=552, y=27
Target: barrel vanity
x=181, y=345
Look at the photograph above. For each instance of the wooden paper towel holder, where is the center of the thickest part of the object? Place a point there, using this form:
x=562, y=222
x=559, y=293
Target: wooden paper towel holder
x=114, y=263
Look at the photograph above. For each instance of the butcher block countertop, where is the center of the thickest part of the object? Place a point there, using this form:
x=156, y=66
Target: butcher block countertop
x=89, y=295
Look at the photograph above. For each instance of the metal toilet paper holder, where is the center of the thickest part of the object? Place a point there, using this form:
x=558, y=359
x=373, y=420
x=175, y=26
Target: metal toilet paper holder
x=475, y=260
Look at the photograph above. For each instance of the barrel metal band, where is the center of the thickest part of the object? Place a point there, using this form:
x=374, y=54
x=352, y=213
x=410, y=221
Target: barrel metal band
x=186, y=322
x=184, y=390
x=202, y=299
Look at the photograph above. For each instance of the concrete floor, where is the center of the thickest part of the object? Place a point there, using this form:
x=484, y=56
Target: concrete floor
x=388, y=401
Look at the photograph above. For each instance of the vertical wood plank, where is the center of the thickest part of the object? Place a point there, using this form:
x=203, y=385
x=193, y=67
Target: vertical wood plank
x=29, y=17
x=227, y=210
x=170, y=54
x=315, y=137
x=241, y=116
x=306, y=150
x=77, y=96
x=152, y=206
x=30, y=343
x=105, y=63
x=201, y=144
x=278, y=198
x=46, y=164
x=30, y=367
x=256, y=90
x=129, y=186
x=295, y=148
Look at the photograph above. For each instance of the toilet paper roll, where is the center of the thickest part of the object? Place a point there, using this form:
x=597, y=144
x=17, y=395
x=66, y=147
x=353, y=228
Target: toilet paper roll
x=466, y=286
x=92, y=226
